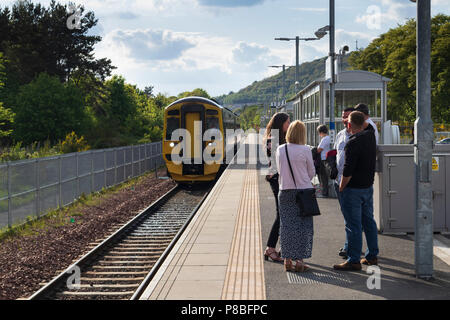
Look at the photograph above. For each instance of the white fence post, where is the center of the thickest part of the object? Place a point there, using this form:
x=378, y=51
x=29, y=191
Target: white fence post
x=115, y=166
x=38, y=210
x=9, y=194
x=78, y=174
x=140, y=160
x=60, y=182
x=92, y=171
x=104, y=166
x=132, y=161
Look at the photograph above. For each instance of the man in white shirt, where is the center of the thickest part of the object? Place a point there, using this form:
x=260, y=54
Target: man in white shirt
x=323, y=148
x=364, y=109
x=341, y=140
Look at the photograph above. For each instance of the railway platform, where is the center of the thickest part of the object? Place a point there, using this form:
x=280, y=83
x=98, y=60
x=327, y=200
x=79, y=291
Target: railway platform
x=219, y=255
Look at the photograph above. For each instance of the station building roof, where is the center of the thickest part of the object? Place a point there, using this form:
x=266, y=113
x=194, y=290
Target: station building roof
x=350, y=79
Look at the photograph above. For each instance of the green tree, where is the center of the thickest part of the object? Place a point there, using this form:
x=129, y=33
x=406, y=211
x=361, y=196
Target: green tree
x=36, y=39
x=250, y=118
x=196, y=92
x=393, y=55
x=48, y=109
x=6, y=121
x=121, y=101
x=162, y=101
x=270, y=89
x=94, y=91
x=6, y=115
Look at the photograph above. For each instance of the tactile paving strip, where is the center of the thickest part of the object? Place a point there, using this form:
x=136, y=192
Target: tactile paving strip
x=245, y=272
x=315, y=277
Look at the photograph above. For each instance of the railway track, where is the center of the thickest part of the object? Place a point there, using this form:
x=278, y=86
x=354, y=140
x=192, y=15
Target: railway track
x=122, y=265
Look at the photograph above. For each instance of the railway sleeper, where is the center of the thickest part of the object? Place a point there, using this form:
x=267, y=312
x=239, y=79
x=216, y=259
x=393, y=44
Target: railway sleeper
x=141, y=258
x=129, y=279
x=147, y=237
x=126, y=262
x=160, y=226
x=139, y=241
x=141, y=246
x=116, y=273
x=107, y=286
x=144, y=267
x=140, y=252
x=98, y=293
x=153, y=233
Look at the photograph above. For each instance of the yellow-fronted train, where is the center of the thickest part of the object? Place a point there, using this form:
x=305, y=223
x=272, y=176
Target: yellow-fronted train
x=195, y=142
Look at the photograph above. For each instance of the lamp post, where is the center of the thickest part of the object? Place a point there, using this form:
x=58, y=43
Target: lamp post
x=332, y=56
x=283, y=92
x=423, y=145
x=273, y=92
x=297, y=42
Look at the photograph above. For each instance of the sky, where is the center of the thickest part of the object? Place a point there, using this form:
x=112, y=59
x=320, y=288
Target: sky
x=225, y=45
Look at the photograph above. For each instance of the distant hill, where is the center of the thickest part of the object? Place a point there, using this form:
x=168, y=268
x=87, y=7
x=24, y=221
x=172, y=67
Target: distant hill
x=267, y=90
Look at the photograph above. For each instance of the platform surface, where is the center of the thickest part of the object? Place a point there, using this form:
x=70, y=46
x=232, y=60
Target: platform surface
x=219, y=256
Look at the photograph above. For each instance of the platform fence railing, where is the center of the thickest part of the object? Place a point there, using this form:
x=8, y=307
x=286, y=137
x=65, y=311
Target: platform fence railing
x=31, y=188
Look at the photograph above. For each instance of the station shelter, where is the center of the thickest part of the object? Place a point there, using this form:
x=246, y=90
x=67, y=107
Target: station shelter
x=311, y=104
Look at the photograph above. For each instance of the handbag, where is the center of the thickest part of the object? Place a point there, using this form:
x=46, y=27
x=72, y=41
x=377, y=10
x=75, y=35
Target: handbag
x=305, y=198
x=274, y=178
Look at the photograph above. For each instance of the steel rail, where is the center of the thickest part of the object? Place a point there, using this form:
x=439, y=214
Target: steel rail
x=41, y=293
x=140, y=290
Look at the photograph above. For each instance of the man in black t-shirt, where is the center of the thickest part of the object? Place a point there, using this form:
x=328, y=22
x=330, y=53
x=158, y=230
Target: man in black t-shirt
x=356, y=189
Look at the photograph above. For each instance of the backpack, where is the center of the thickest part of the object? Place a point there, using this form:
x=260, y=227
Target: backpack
x=331, y=165
x=316, y=159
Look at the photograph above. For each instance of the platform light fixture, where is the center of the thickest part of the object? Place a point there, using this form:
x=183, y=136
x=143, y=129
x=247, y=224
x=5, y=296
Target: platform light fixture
x=284, y=78
x=297, y=41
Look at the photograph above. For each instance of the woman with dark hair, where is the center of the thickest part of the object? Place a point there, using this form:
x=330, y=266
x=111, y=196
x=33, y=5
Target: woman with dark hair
x=277, y=127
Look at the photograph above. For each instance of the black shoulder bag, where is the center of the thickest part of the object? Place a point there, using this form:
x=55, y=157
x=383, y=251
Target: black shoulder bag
x=306, y=198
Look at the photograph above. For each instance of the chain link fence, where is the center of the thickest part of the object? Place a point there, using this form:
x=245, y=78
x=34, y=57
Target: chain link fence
x=30, y=188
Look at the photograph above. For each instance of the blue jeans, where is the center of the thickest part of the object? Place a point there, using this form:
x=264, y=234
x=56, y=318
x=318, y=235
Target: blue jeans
x=339, y=196
x=357, y=207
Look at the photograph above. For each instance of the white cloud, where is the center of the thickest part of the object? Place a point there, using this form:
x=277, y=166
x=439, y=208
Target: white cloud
x=188, y=58
x=248, y=53
x=147, y=45
x=230, y=3
x=440, y=3
x=388, y=12
x=311, y=9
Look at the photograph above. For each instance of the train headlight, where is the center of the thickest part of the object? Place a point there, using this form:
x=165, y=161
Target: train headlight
x=212, y=144
x=172, y=144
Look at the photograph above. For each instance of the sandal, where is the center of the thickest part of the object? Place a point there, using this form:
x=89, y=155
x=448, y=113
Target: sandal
x=299, y=266
x=272, y=254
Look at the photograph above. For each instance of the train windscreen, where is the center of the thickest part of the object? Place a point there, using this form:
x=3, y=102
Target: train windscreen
x=212, y=123
x=172, y=125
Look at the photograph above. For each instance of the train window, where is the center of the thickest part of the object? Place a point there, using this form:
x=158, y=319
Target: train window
x=212, y=123
x=171, y=125
x=173, y=112
x=211, y=112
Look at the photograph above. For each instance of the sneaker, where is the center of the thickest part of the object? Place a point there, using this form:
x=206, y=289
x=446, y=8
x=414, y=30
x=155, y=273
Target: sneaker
x=348, y=266
x=319, y=195
x=343, y=253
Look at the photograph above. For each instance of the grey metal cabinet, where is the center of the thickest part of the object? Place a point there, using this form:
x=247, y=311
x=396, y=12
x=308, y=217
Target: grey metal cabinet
x=395, y=194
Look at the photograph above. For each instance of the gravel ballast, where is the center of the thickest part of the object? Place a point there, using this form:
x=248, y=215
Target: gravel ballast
x=27, y=261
